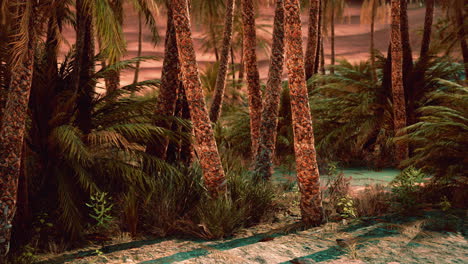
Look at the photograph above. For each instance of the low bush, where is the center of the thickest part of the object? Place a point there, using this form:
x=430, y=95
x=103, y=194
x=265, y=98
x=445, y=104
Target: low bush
x=374, y=200
x=406, y=189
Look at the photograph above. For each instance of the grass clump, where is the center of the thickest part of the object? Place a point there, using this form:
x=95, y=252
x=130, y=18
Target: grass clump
x=181, y=206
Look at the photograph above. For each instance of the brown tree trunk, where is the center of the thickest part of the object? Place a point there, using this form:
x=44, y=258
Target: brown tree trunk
x=372, y=46
x=462, y=37
x=405, y=40
x=140, y=42
x=306, y=163
x=322, y=58
x=205, y=144
x=264, y=159
x=217, y=104
x=332, y=37
x=166, y=103
x=13, y=126
x=320, y=38
x=313, y=38
x=251, y=69
x=112, y=81
x=407, y=62
x=399, y=109
x=84, y=66
x=426, y=40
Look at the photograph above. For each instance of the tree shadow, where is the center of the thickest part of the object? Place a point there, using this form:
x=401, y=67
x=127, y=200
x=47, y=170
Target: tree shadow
x=105, y=249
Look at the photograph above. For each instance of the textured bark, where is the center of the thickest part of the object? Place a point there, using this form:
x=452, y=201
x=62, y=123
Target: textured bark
x=399, y=109
x=313, y=38
x=112, y=81
x=140, y=42
x=372, y=46
x=306, y=163
x=318, y=55
x=251, y=69
x=13, y=129
x=217, y=104
x=426, y=40
x=264, y=159
x=84, y=66
x=165, y=106
x=462, y=37
x=322, y=58
x=332, y=37
x=205, y=144
x=407, y=56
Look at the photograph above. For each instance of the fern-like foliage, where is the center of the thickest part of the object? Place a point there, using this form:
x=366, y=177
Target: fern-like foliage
x=351, y=113
x=440, y=135
x=68, y=165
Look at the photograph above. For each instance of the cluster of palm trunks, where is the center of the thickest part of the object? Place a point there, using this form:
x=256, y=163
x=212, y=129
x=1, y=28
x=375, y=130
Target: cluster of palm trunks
x=180, y=77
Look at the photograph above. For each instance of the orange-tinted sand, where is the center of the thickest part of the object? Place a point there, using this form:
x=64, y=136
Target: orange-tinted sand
x=352, y=40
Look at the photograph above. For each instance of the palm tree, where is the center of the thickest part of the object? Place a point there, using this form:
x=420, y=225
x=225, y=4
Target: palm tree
x=140, y=42
x=306, y=163
x=405, y=40
x=264, y=159
x=370, y=11
x=318, y=54
x=84, y=64
x=398, y=93
x=13, y=126
x=251, y=68
x=332, y=10
x=455, y=12
x=205, y=144
x=426, y=40
x=167, y=97
x=313, y=38
x=217, y=103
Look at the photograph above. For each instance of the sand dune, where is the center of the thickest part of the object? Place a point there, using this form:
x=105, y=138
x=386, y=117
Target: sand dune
x=352, y=40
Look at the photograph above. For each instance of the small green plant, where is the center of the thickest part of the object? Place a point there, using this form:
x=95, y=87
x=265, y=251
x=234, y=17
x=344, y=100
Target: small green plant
x=346, y=207
x=406, y=187
x=26, y=255
x=445, y=204
x=101, y=207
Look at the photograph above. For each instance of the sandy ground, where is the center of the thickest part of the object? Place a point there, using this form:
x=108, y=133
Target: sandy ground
x=352, y=40
x=371, y=240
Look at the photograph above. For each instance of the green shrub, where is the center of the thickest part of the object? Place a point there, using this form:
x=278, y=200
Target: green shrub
x=101, y=208
x=406, y=189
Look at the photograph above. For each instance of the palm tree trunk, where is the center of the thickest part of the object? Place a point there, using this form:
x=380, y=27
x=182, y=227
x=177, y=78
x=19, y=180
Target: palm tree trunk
x=112, y=81
x=264, y=159
x=332, y=38
x=318, y=55
x=13, y=125
x=251, y=69
x=399, y=109
x=140, y=42
x=84, y=66
x=407, y=63
x=313, y=39
x=372, y=46
x=306, y=163
x=215, y=110
x=426, y=40
x=322, y=58
x=166, y=103
x=205, y=144
x=462, y=37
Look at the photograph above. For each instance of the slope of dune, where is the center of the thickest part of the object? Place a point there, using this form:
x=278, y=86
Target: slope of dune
x=352, y=40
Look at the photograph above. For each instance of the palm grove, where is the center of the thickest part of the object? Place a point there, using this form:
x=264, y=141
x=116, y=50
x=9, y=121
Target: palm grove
x=169, y=160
